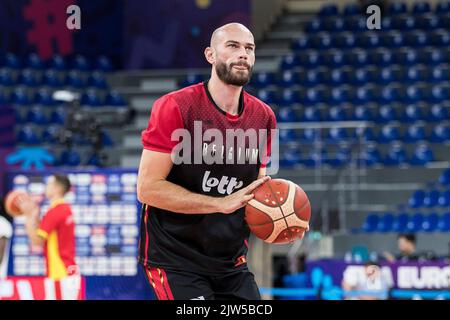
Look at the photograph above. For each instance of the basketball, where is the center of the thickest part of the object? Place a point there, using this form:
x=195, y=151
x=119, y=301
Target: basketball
x=279, y=212
x=12, y=200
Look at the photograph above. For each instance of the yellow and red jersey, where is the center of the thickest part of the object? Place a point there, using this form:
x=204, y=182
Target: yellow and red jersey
x=58, y=229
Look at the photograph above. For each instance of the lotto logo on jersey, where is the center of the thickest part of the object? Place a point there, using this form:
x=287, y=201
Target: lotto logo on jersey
x=225, y=185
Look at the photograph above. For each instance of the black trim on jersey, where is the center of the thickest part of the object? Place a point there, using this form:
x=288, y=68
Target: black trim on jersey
x=241, y=100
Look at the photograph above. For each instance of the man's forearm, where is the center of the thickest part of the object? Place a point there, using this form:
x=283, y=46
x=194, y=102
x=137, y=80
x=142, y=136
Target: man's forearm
x=31, y=226
x=169, y=196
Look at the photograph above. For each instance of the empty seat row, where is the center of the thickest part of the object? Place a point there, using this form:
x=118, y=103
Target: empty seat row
x=430, y=199
x=57, y=62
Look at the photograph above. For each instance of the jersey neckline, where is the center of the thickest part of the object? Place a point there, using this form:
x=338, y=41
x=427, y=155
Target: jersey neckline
x=228, y=115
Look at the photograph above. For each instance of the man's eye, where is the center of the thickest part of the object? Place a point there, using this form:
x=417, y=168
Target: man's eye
x=250, y=48
x=232, y=45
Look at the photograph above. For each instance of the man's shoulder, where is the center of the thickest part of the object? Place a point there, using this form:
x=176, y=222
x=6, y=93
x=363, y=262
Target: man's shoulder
x=258, y=103
x=183, y=93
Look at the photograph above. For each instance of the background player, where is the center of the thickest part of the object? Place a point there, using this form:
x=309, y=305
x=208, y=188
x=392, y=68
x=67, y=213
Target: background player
x=193, y=234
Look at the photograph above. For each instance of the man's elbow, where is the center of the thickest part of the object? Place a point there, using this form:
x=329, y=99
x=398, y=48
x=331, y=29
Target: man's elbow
x=37, y=241
x=144, y=195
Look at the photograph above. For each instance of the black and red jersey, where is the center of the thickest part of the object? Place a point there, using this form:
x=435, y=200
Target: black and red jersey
x=205, y=243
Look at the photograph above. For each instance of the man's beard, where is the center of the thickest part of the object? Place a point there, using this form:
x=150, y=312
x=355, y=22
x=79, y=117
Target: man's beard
x=226, y=74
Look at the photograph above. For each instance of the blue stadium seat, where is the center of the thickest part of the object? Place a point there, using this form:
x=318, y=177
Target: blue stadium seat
x=430, y=222
x=114, y=98
x=416, y=74
x=97, y=80
x=444, y=178
x=415, y=133
x=316, y=158
x=342, y=157
x=371, y=223
x=421, y=7
x=289, y=62
x=335, y=24
x=441, y=38
x=314, y=77
x=20, y=97
x=288, y=78
x=416, y=92
x=417, y=39
x=74, y=79
x=309, y=135
x=51, y=134
x=415, y=223
x=397, y=7
x=412, y=113
x=431, y=199
x=440, y=133
x=422, y=155
x=6, y=78
x=80, y=63
x=44, y=97
x=387, y=23
x=388, y=74
x=328, y=10
x=58, y=116
x=58, y=63
x=440, y=73
x=315, y=25
x=268, y=96
x=316, y=95
x=27, y=136
x=301, y=43
x=70, y=158
x=365, y=94
x=337, y=113
x=364, y=134
x=386, y=222
x=443, y=7
x=358, y=58
x=405, y=22
x=36, y=115
x=444, y=222
x=370, y=155
x=417, y=199
x=310, y=58
x=103, y=64
x=362, y=113
x=438, y=113
x=12, y=61
x=289, y=97
x=369, y=40
x=341, y=94
x=334, y=58
x=407, y=56
x=392, y=93
x=311, y=114
x=345, y=40
x=34, y=62
x=382, y=57
x=440, y=92
x=193, y=78
x=444, y=199
x=396, y=155
x=389, y=133
x=401, y=222
x=288, y=135
x=393, y=39
x=433, y=56
x=352, y=9
x=28, y=78
x=356, y=24
x=336, y=134
x=287, y=114
x=51, y=79
x=263, y=79
x=290, y=156
x=386, y=113
x=364, y=75
x=91, y=98
x=322, y=41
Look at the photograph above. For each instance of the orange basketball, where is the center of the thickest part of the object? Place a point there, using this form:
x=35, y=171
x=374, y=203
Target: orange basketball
x=12, y=200
x=279, y=212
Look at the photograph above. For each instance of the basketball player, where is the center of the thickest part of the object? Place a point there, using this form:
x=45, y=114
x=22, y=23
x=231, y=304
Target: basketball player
x=56, y=232
x=193, y=235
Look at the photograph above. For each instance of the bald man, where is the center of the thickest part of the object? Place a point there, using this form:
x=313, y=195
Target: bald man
x=194, y=238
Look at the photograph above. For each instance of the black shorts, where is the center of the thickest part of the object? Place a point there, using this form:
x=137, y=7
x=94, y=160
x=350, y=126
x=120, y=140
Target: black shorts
x=183, y=285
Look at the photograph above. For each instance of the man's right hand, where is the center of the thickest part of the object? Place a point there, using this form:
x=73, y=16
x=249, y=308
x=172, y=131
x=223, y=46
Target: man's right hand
x=238, y=199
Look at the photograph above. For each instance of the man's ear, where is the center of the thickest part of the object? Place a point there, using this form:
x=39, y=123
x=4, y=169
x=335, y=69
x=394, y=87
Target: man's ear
x=209, y=55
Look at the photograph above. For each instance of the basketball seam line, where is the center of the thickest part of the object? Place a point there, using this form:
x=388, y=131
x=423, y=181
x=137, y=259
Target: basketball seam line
x=279, y=206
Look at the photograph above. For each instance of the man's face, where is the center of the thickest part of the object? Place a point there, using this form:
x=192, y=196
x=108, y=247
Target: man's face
x=235, y=57
x=51, y=187
x=405, y=246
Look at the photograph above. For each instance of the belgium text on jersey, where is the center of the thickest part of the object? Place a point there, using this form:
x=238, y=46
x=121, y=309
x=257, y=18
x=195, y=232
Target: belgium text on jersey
x=211, y=147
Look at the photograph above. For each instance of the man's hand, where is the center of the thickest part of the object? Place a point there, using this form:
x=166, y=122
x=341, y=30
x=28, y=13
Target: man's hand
x=28, y=207
x=237, y=200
